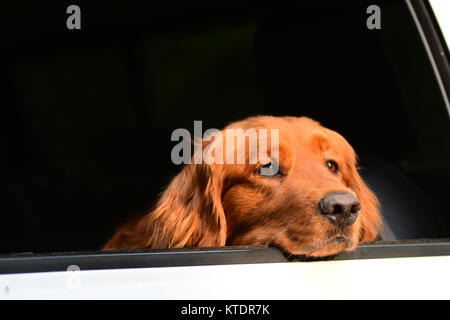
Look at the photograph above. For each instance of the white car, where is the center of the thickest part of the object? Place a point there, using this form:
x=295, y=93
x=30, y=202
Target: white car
x=80, y=143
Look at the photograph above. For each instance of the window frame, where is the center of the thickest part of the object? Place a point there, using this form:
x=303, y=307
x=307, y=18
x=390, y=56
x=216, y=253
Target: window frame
x=435, y=46
x=438, y=54
x=157, y=258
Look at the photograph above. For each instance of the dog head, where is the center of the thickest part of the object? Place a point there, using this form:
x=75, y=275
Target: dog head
x=303, y=193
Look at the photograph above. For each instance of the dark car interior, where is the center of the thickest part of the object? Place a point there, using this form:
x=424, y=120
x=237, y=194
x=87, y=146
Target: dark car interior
x=86, y=115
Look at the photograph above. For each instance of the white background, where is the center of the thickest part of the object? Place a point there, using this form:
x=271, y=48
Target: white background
x=441, y=10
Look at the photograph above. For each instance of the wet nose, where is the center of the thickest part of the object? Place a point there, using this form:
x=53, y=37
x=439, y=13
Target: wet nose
x=341, y=208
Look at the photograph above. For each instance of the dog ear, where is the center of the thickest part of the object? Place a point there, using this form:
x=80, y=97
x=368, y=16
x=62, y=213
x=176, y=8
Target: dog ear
x=370, y=216
x=189, y=213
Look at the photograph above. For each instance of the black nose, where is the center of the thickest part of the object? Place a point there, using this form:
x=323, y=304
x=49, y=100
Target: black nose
x=341, y=208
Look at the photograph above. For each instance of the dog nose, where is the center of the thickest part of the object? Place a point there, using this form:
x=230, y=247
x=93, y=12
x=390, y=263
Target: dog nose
x=341, y=208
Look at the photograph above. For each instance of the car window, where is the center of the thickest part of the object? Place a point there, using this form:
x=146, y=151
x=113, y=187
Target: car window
x=88, y=114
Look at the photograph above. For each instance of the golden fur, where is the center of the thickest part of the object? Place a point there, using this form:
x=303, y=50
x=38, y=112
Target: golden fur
x=209, y=205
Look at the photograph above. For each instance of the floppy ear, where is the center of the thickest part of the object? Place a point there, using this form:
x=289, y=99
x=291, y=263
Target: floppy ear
x=188, y=214
x=370, y=215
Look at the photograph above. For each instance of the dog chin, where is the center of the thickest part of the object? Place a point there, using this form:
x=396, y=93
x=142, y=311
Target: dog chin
x=326, y=251
x=321, y=250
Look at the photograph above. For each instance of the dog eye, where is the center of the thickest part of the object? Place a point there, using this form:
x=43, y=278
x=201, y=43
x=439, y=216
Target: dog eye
x=332, y=166
x=270, y=169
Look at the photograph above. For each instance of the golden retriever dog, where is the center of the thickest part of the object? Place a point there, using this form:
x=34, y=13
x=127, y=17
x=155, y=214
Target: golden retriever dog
x=313, y=204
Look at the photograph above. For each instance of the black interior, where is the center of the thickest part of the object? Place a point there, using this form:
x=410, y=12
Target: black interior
x=86, y=116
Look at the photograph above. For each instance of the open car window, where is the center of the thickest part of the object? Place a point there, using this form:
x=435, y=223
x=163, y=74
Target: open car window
x=87, y=116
